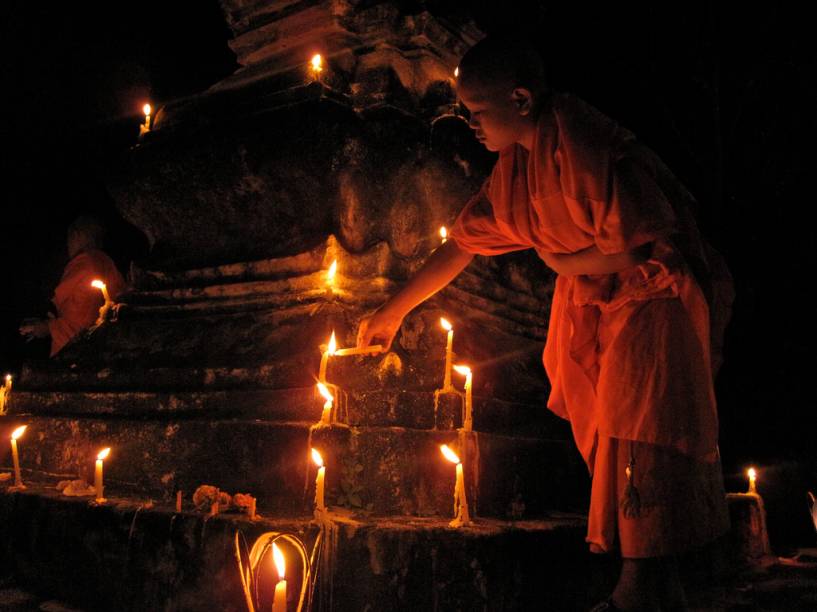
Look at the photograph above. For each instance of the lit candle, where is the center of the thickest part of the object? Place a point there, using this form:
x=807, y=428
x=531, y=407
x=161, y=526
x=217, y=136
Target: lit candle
x=326, y=415
x=467, y=422
x=443, y=234
x=103, y=454
x=319, y=481
x=146, y=109
x=98, y=284
x=752, y=473
x=330, y=350
x=316, y=66
x=456, y=72
x=5, y=393
x=279, y=602
x=18, y=481
x=448, y=351
x=461, y=516
x=330, y=276
x=178, y=501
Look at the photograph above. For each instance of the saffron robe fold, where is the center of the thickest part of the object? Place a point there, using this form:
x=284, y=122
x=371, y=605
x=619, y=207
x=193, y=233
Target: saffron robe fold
x=76, y=301
x=587, y=181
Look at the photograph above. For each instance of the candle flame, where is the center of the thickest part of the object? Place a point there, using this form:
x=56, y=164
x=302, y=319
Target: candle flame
x=449, y=454
x=98, y=284
x=443, y=232
x=446, y=325
x=752, y=472
x=146, y=109
x=8, y=378
x=456, y=72
x=330, y=274
x=103, y=454
x=278, y=557
x=333, y=345
x=462, y=369
x=316, y=457
x=327, y=395
x=18, y=432
x=317, y=62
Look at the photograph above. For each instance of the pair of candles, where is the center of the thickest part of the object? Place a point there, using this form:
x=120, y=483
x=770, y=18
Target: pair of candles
x=464, y=370
x=18, y=480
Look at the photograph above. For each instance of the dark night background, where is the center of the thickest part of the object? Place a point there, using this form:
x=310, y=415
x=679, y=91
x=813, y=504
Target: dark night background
x=726, y=98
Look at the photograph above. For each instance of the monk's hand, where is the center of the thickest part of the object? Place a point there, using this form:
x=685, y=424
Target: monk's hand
x=34, y=328
x=378, y=328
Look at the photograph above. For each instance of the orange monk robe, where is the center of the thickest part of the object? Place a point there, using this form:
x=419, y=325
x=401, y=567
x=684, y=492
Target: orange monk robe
x=627, y=354
x=77, y=302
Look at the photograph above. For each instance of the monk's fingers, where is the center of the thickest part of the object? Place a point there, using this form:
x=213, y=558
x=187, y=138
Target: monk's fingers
x=363, y=335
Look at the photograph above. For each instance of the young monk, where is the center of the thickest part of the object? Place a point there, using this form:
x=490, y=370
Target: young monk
x=77, y=303
x=628, y=347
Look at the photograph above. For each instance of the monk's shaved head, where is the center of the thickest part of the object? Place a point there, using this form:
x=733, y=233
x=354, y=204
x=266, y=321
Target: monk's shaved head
x=498, y=63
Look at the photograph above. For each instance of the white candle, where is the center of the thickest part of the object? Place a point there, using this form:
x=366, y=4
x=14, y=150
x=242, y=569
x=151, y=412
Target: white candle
x=326, y=415
x=752, y=473
x=319, y=481
x=330, y=350
x=461, y=514
x=316, y=66
x=18, y=480
x=100, y=489
x=279, y=601
x=146, y=109
x=98, y=284
x=467, y=422
x=448, y=352
x=373, y=348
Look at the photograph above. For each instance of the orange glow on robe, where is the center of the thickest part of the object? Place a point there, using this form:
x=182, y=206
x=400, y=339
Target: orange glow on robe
x=627, y=354
x=77, y=302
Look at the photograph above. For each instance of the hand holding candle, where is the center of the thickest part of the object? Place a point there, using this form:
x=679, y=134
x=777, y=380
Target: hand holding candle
x=103, y=454
x=18, y=481
x=98, y=284
x=279, y=602
x=461, y=514
x=467, y=422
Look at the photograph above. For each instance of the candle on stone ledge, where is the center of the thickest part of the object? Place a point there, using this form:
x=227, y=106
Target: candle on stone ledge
x=279, y=602
x=461, y=515
x=331, y=273
x=449, y=345
x=100, y=489
x=320, y=507
x=752, y=474
x=330, y=350
x=316, y=66
x=326, y=415
x=5, y=393
x=467, y=422
x=18, y=480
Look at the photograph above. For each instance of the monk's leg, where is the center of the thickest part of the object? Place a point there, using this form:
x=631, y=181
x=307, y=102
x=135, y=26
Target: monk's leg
x=636, y=590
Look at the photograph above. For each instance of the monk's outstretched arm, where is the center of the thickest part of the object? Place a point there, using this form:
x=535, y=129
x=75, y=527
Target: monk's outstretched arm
x=439, y=270
x=593, y=261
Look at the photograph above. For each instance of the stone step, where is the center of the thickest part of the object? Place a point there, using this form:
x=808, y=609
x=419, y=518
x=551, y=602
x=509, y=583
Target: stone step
x=401, y=470
x=377, y=408
x=126, y=555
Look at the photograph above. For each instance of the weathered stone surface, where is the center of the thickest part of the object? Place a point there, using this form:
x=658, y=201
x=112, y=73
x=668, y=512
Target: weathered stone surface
x=401, y=470
x=127, y=556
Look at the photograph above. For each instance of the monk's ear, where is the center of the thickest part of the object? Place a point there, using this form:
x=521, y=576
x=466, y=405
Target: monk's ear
x=523, y=99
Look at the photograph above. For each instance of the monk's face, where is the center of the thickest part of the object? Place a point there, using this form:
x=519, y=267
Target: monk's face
x=500, y=116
